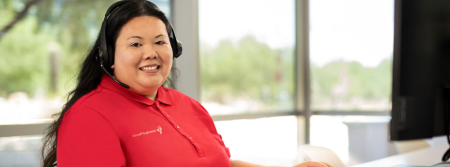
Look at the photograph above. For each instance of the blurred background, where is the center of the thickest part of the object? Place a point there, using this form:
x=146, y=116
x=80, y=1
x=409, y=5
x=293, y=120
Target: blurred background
x=274, y=74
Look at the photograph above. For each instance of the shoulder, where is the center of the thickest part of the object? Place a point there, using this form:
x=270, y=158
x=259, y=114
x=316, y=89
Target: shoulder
x=177, y=95
x=179, y=98
x=92, y=95
x=100, y=99
x=85, y=116
x=82, y=111
x=86, y=105
x=172, y=91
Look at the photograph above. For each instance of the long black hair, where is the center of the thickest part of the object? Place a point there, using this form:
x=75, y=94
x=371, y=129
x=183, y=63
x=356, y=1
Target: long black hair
x=90, y=73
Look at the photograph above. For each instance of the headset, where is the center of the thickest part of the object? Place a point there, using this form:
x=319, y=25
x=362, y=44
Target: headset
x=105, y=59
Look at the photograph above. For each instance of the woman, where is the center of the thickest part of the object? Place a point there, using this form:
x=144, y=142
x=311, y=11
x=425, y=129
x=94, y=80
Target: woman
x=120, y=115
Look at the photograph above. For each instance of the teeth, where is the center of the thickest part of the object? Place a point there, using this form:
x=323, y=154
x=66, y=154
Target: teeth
x=149, y=68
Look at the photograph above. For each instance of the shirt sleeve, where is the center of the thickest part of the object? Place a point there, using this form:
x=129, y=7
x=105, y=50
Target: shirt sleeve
x=86, y=138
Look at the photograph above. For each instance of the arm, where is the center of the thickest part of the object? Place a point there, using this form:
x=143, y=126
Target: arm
x=237, y=163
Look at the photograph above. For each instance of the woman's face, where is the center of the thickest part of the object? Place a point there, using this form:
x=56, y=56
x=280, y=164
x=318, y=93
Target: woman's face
x=143, y=55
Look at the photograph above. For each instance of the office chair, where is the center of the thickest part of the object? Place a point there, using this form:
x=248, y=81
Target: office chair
x=316, y=153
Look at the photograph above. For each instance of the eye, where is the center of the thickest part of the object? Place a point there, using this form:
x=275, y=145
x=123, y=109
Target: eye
x=136, y=45
x=160, y=42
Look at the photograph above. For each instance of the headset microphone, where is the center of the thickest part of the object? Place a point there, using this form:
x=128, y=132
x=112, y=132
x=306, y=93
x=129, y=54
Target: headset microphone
x=106, y=71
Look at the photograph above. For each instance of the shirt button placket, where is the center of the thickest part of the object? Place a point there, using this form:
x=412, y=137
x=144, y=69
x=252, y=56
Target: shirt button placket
x=199, y=150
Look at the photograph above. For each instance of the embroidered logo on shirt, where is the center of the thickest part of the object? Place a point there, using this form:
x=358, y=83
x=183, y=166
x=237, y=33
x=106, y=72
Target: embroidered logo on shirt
x=159, y=129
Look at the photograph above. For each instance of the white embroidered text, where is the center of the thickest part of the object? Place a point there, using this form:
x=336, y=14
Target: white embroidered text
x=159, y=129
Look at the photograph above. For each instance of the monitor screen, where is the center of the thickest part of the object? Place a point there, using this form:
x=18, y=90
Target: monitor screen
x=421, y=69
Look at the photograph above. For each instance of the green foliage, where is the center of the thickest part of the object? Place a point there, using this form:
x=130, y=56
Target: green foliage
x=24, y=50
x=73, y=25
x=24, y=56
x=323, y=78
x=366, y=83
x=75, y=22
x=248, y=69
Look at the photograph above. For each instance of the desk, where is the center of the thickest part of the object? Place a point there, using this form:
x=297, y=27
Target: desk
x=423, y=157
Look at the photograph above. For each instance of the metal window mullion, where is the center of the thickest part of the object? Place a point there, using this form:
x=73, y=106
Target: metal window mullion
x=253, y=115
x=352, y=113
x=23, y=130
x=302, y=70
x=185, y=22
x=297, y=113
x=302, y=76
x=38, y=128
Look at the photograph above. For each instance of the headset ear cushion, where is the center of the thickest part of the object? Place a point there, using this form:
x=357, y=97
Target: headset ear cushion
x=179, y=49
x=99, y=56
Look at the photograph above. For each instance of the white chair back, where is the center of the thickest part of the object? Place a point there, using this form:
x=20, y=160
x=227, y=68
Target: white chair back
x=316, y=153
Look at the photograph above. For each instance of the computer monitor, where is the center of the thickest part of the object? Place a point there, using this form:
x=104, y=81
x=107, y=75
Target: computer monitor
x=421, y=69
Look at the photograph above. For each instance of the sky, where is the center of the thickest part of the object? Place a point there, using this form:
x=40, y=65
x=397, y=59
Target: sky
x=348, y=30
x=271, y=22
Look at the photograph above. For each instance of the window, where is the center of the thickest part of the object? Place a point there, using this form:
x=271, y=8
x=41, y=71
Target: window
x=247, y=67
x=41, y=53
x=247, y=55
x=351, y=47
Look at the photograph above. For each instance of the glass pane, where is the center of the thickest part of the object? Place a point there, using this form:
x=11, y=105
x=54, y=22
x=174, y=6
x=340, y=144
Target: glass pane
x=20, y=151
x=355, y=139
x=41, y=54
x=351, y=47
x=265, y=141
x=246, y=55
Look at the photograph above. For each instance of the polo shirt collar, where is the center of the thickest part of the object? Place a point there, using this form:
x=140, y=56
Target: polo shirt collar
x=163, y=96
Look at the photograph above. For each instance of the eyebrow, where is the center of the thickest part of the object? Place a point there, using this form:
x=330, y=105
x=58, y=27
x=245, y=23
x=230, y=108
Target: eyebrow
x=160, y=35
x=139, y=37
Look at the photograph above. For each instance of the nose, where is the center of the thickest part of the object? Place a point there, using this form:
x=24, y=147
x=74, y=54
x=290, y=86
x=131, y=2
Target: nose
x=150, y=54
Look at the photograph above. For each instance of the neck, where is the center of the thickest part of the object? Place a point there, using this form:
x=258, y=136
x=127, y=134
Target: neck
x=152, y=96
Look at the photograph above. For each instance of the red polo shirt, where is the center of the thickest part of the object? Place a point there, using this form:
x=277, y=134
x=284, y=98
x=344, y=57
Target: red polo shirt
x=113, y=126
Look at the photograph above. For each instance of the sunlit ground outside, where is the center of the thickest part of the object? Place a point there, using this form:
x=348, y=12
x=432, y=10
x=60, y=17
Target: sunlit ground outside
x=20, y=151
x=18, y=108
x=267, y=141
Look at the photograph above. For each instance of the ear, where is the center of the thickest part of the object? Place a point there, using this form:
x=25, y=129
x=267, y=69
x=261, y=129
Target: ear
x=112, y=67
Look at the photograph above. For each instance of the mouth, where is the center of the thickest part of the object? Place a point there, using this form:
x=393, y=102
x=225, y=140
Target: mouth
x=150, y=68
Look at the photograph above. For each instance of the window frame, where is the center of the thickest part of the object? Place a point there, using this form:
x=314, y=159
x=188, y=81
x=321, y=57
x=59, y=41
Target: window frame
x=185, y=22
